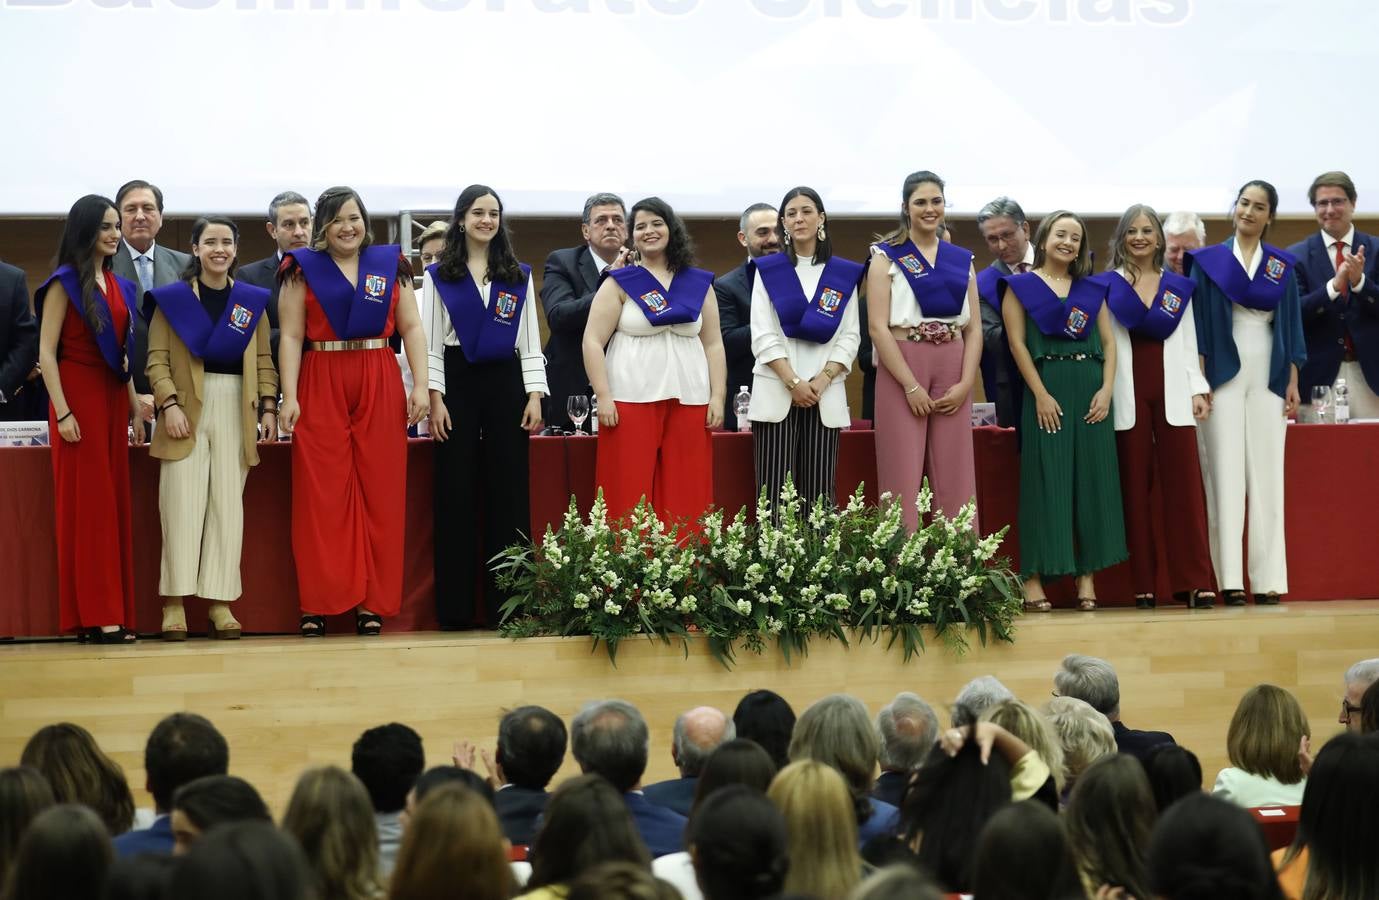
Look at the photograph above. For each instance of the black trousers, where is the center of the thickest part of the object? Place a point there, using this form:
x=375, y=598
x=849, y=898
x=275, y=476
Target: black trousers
x=482, y=486
x=801, y=446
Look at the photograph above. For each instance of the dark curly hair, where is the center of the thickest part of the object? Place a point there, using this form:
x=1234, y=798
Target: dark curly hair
x=680, y=247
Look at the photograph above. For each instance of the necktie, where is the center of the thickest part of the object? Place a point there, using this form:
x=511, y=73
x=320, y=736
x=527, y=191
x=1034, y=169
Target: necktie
x=144, y=266
x=1022, y=268
x=1345, y=293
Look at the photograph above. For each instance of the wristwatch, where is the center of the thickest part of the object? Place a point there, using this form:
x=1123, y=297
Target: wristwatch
x=795, y=382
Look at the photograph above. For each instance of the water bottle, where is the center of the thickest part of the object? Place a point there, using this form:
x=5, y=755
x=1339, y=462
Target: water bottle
x=742, y=402
x=1340, y=401
x=593, y=413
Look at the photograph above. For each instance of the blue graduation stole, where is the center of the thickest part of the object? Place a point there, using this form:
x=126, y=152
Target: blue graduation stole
x=1071, y=318
x=358, y=310
x=111, y=349
x=222, y=341
x=487, y=333
x=986, y=286
x=1162, y=317
x=1263, y=292
x=675, y=305
x=815, y=319
x=940, y=289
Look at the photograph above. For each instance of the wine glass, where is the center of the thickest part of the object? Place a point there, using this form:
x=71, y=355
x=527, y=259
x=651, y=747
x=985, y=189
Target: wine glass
x=1321, y=399
x=577, y=408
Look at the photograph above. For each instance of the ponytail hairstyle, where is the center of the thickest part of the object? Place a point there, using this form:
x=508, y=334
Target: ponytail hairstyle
x=1270, y=192
x=823, y=250
x=77, y=249
x=193, y=269
x=907, y=190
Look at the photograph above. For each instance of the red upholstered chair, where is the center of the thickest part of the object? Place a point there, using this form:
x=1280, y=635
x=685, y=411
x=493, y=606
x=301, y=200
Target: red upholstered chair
x=518, y=853
x=1279, y=824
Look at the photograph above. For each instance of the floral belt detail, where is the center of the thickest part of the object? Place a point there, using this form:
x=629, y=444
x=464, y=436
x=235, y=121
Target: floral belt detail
x=932, y=332
x=1074, y=357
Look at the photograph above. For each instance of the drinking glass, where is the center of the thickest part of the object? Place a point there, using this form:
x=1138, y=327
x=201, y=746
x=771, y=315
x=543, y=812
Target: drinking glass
x=1321, y=399
x=577, y=408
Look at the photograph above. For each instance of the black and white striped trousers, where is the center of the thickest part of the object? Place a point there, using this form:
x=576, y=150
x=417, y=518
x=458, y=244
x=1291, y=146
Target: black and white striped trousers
x=801, y=446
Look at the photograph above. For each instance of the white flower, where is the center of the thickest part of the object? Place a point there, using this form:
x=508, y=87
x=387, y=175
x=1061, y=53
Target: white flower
x=611, y=608
x=786, y=572
x=581, y=601
x=611, y=579
x=837, y=601
x=744, y=606
x=688, y=605
x=774, y=625
x=867, y=595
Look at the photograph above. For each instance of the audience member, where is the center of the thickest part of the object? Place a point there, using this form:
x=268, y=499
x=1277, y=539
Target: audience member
x=181, y=748
x=1085, y=735
x=531, y=748
x=1267, y=744
x=821, y=829
x=1369, y=710
x=332, y=819
x=764, y=716
x=979, y=695
x=738, y=846
x=907, y=728
x=1358, y=678
x=145, y=876
x=1031, y=726
x=586, y=823
x=289, y=225
x=610, y=738
x=200, y=805
x=1204, y=848
x=757, y=231
x=696, y=734
x=620, y=881
x=453, y=848
x=1173, y=773
x=1094, y=680
x=24, y=793
x=1003, y=226
x=241, y=860
x=436, y=776
x=78, y=772
x=897, y=882
x=1110, y=817
x=838, y=732
x=63, y=855
x=388, y=759
x=18, y=346
x=1023, y=854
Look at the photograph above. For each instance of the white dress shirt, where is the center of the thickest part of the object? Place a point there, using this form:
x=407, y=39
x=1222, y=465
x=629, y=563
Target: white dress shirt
x=441, y=334
x=1182, y=373
x=135, y=257
x=1330, y=243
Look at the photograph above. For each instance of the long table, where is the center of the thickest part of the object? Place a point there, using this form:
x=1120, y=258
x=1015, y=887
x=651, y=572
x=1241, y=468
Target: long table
x=1332, y=505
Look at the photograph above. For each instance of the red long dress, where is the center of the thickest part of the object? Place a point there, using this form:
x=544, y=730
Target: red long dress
x=95, y=545
x=349, y=474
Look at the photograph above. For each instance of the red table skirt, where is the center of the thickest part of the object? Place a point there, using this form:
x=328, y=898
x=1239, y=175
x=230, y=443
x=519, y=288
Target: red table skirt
x=1330, y=521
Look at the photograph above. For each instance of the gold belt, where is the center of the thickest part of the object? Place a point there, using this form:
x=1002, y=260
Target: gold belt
x=366, y=344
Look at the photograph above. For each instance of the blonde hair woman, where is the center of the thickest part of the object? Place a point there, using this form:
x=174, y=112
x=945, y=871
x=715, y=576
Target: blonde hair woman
x=1268, y=746
x=1084, y=734
x=331, y=816
x=822, y=830
x=1033, y=727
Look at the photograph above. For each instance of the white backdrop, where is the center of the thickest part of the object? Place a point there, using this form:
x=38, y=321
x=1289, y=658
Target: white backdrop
x=1087, y=104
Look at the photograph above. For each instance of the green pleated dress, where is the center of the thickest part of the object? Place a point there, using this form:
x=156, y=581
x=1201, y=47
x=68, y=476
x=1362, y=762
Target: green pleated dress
x=1071, y=522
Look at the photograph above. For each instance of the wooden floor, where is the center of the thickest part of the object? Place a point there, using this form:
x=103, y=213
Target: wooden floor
x=285, y=704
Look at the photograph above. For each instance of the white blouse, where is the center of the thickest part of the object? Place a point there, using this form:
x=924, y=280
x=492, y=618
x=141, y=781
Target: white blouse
x=647, y=363
x=440, y=333
x=905, y=311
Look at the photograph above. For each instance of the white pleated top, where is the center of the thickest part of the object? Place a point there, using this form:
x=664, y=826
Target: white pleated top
x=649, y=362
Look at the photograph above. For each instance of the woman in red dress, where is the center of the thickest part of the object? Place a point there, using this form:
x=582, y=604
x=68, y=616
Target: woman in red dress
x=86, y=313
x=345, y=409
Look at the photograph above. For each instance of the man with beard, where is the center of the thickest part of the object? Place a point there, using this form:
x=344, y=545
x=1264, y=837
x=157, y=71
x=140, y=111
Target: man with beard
x=289, y=225
x=758, y=232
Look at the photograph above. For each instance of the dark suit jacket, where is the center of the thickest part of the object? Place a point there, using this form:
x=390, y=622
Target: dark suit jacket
x=662, y=830
x=734, y=293
x=676, y=794
x=1001, y=381
x=890, y=787
x=167, y=268
x=263, y=273
x=519, y=811
x=1326, y=321
x=18, y=344
x=567, y=291
x=156, y=839
x=1139, y=743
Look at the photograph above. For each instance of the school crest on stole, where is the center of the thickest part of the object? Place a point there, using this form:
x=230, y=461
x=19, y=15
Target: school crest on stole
x=913, y=265
x=1076, y=323
x=506, y=305
x=1171, y=303
x=374, y=285
x=240, y=318
x=655, y=301
x=1273, y=269
x=830, y=300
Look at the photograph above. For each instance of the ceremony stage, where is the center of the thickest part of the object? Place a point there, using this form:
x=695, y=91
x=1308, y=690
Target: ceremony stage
x=285, y=703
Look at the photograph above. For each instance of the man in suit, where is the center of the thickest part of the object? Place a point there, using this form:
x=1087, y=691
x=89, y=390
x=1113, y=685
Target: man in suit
x=907, y=728
x=758, y=230
x=1006, y=232
x=182, y=748
x=531, y=747
x=1094, y=681
x=1338, y=277
x=1183, y=233
x=18, y=346
x=145, y=262
x=567, y=291
x=289, y=225
x=697, y=733
x=610, y=738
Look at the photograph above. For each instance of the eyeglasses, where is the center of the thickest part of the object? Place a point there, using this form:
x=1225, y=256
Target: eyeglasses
x=1324, y=203
x=1347, y=710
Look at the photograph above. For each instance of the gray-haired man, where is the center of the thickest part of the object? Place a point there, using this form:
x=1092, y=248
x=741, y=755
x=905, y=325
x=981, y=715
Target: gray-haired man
x=1006, y=232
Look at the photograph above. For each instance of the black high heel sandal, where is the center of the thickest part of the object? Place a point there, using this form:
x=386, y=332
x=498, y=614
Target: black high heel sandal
x=1233, y=598
x=1203, y=599
x=1145, y=601
x=312, y=626
x=120, y=635
x=368, y=624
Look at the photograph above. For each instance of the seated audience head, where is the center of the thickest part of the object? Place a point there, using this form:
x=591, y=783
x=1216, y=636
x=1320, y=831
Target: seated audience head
x=739, y=761
x=657, y=229
x=63, y=855
x=898, y=881
x=289, y=221
x=821, y=828
x=1206, y=848
x=182, y=748
x=24, y=793
x=431, y=242
x=757, y=230
x=332, y=819
x=620, y=881
x=200, y=805
x=453, y=848
x=764, y=716
x=610, y=738
x=240, y=860
x=531, y=747
x=1033, y=727
x=388, y=759
x=140, y=205
x=907, y=729
x=1084, y=734
x=145, y=876
x=1023, y=854
x=1369, y=710
x=837, y=731
x=604, y=224
x=1183, y=233
x=437, y=776
x=1110, y=817
x=738, y=845
x=586, y=823
x=697, y=733
x=341, y=225
x=1266, y=733
x=1339, y=820
x=1173, y=773
x=1092, y=680
x=79, y=772
x=979, y=695
x=1358, y=678
x=1005, y=229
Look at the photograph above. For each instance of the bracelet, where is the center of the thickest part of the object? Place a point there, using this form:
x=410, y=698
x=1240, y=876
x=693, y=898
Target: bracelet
x=61, y=419
x=794, y=383
x=171, y=401
x=911, y=390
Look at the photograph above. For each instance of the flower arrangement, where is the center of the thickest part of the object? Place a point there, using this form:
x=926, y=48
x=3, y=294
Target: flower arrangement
x=793, y=575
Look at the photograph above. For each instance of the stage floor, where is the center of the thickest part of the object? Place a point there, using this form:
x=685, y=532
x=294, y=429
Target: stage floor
x=285, y=703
